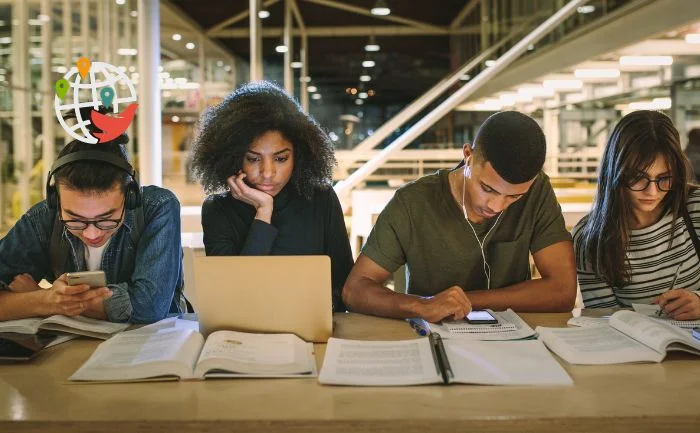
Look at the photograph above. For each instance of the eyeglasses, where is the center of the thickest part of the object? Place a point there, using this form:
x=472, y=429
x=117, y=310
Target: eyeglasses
x=640, y=183
x=105, y=224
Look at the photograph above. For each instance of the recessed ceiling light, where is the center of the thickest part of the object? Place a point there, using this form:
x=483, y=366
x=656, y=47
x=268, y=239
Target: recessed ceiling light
x=177, y=36
x=190, y=45
x=380, y=8
x=262, y=14
x=368, y=64
x=316, y=96
x=585, y=9
x=365, y=78
x=311, y=89
x=296, y=65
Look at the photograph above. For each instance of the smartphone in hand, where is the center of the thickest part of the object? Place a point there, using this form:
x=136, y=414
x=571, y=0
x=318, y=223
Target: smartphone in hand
x=481, y=317
x=94, y=279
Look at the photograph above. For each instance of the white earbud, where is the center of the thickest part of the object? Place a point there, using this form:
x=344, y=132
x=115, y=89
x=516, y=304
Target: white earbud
x=487, y=268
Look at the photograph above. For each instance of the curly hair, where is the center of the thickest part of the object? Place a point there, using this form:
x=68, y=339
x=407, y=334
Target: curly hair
x=227, y=130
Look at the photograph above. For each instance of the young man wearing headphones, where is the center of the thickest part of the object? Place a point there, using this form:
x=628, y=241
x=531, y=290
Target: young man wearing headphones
x=465, y=234
x=95, y=217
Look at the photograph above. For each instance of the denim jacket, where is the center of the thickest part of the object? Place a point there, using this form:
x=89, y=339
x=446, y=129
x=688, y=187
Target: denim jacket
x=146, y=279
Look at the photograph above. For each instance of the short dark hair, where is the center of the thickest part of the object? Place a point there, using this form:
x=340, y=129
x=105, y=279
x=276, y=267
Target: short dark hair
x=227, y=130
x=513, y=143
x=96, y=176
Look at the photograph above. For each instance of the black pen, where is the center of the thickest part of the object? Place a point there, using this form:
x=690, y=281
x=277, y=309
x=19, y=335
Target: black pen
x=673, y=285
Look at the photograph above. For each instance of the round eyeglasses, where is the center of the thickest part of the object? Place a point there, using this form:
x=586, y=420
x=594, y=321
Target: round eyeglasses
x=640, y=183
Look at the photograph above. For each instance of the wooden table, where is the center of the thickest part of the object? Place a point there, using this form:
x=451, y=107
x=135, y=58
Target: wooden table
x=36, y=397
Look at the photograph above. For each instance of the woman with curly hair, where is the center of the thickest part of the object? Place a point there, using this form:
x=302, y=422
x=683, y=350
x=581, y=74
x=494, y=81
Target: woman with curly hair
x=639, y=244
x=268, y=167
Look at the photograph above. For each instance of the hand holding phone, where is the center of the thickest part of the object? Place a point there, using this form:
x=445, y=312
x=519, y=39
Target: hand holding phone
x=481, y=317
x=94, y=279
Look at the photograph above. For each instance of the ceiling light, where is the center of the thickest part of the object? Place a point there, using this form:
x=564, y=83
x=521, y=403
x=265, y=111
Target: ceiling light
x=189, y=45
x=134, y=14
x=177, y=36
x=281, y=48
x=692, y=38
x=365, y=78
x=316, y=96
x=359, y=101
x=368, y=64
x=127, y=51
x=43, y=18
x=536, y=91
x=219, y=63
x=311, y=89
x=489, y=105
x=120, y=2
x=597, y=73
x=655, y=104
x=585, y=9
x=297, y=65
x=530, y=47
x=562, y=84
x=372, y=45
x=175, y=119
x=262, y=14
x=380, y=8
x=362, y=95
x=227, y=68
x=465, y=77
x=353, y=91
x=489, y=63
x=305, y=79
x=646, y=60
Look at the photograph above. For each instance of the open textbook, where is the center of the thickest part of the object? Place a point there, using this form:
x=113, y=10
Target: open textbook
x=78, y=325
x=432, y=360
x=172, y=352
x=628, y=337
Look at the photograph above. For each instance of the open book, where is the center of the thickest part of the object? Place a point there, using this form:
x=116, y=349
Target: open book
x=178, y=352
x=433, y=360
x=628, y=337
x=78, y=325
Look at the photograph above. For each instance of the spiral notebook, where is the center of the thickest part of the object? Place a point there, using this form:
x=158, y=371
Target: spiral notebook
x=651, y=310
x=510, y=327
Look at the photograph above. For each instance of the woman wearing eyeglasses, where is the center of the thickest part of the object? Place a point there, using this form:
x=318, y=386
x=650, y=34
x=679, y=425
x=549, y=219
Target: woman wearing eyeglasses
x=636, y=245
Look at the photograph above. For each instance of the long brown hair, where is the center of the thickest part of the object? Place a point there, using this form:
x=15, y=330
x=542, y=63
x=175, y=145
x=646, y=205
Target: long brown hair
x=633, y=146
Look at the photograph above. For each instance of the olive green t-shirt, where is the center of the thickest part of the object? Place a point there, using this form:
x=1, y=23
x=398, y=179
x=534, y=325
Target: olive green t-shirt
x=424, y=227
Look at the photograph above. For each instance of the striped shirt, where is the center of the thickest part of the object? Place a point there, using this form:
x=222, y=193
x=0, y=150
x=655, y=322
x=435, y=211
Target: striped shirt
x=653, y=263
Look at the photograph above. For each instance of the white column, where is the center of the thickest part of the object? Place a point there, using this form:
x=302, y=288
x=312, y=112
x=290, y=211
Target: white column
x=113, y=35
x=202, y=73
x=149, y=112
x=256, y=66
x=129, y=40
x=288, y=74
x=84, y=28
x=303, y=93
x=67, y=44
x=21, y=128
x=48, y=118
x=550, y=127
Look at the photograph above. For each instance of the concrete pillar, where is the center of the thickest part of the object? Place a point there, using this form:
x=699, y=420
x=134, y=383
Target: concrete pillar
x=256, y=66
x=149, y=112
x=48, y=118
x=21, y=108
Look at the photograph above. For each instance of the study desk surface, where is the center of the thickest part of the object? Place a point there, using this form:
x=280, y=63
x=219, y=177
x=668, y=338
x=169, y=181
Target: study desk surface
x=36, y=397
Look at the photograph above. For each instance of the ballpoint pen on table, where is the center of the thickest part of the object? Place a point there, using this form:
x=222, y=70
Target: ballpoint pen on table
x=421, y=326
x=673, y=285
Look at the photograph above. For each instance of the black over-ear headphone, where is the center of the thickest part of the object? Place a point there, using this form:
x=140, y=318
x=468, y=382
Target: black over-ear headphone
x=132, y=192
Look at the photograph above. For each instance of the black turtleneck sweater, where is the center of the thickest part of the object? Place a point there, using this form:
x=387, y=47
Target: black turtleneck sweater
x=298, y=227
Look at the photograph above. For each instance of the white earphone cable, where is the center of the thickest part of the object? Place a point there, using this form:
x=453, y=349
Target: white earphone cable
x=487, y=268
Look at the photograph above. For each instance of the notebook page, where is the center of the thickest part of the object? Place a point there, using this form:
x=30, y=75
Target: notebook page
x=510, y=327
x=379, y=363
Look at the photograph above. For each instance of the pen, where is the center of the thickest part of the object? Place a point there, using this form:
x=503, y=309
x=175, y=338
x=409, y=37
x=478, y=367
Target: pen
x=673, y=285
x=421, y=326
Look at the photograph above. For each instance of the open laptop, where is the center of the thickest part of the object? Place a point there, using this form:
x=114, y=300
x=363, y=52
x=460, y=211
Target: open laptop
x=284, y=294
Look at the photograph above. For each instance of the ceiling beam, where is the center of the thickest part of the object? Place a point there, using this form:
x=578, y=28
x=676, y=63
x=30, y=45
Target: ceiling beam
x=298, y=17
x=362, y=11
x=464, y=13
x=351, y=31
x=236, y=18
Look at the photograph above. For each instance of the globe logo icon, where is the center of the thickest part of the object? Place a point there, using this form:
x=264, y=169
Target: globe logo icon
x=87, y=89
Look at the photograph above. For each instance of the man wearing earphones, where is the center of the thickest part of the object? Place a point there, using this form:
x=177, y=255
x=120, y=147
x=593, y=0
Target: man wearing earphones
x=95, y=217
x=465, y=235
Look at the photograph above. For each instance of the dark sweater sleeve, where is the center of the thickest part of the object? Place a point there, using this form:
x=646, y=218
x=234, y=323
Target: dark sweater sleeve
x=338, y=249
x=228, y=233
